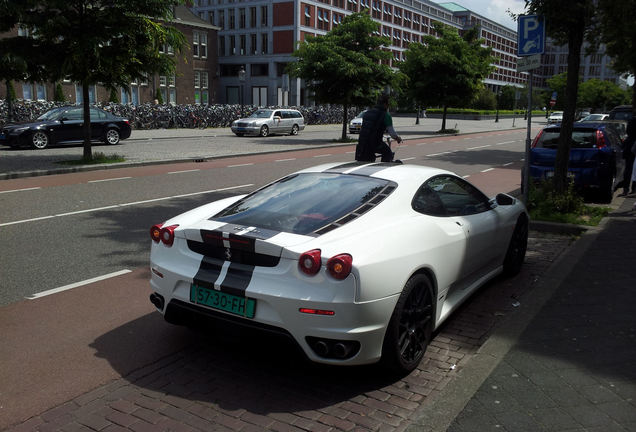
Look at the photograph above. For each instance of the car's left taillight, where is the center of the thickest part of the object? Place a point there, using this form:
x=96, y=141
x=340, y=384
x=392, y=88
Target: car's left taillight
x=339, y=266
x=164, y=234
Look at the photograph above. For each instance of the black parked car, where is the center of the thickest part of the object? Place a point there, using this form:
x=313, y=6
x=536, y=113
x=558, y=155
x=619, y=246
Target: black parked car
x=65, y=125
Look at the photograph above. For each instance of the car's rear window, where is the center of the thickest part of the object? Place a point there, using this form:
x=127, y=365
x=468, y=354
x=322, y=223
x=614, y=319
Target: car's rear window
x=581, y=138
x=308, y=203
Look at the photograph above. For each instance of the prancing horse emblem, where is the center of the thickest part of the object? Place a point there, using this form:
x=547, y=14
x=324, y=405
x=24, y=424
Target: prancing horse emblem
x=228, y=254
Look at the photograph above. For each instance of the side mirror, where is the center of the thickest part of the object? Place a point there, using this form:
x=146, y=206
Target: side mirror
x=504, y=199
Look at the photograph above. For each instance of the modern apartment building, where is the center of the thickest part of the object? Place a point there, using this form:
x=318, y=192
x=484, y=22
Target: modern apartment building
x=195, y=80
x=257, y=39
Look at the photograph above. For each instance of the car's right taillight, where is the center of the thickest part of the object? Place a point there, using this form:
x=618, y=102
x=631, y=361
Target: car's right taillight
x=536, y=139
x=310, y=262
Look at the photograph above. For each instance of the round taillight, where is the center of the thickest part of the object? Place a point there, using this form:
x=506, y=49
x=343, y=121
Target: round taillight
x=167, y=235
x=339, y=266
x=309, y=262
x=155, y=233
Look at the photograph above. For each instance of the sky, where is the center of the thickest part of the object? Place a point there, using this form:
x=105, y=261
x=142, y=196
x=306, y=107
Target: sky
x=493, y=9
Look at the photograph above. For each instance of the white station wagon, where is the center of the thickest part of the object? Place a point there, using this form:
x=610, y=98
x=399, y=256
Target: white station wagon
x=270, y=121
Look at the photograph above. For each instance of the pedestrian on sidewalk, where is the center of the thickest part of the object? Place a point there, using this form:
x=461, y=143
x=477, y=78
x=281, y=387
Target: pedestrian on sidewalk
x=629, y=154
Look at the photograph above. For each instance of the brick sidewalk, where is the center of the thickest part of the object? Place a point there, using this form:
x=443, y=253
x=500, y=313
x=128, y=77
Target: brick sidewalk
x=259, y=384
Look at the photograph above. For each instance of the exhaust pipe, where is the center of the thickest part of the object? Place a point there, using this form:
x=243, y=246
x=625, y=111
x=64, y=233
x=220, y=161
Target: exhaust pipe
x=341, y=350
x=157, y=300
x=321, y=348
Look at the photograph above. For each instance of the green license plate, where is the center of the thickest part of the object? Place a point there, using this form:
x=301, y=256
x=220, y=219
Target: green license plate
x=243, y=306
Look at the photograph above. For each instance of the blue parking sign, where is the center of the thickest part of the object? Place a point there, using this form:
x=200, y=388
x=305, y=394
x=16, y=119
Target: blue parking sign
x=530, y=35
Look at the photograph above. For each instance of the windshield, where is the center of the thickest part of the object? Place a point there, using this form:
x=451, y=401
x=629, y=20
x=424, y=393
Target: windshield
x=262, y=114
x=304, y=203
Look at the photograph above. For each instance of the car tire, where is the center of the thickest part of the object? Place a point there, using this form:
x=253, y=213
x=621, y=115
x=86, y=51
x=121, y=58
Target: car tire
x=411, y=326
x=39, y=140
x=264, y=131
x=517, y=247
x=111, y=136
x=239, y=134
x=294, y=130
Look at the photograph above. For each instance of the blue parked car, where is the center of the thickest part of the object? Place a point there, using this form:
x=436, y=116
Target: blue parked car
x=596, y=163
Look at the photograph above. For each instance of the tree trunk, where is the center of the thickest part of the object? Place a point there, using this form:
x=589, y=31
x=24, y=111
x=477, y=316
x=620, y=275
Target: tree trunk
x=88, y=153
x=345, y=111
x=9, y=102
x=444, y=119
x=575, y=42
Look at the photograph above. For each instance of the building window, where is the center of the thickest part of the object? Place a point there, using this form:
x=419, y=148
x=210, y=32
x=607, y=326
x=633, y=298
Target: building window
x=259, y=69
x=253, y=47
x=221, y=45
x=242, y=18
x=168, y=89
x=243, y=45
x=203, y=45
x=253, y=17
x=232, y=45
x=264, y=43
x=307, y=16
x=222, y=19
x=231, y=19
x=195, y=44
x=201, y=92
x=264, y=17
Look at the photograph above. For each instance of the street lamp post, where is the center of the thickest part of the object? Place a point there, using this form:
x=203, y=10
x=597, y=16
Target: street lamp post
x=497, y=115
x=241, y=77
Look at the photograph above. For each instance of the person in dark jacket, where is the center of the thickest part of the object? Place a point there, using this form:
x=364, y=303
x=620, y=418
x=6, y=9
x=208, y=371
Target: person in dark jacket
x=374, y=123
x=629, y=157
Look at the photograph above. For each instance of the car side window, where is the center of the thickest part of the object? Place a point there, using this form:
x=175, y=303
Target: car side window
x=73, y=114
x=97, y=115
x=278, y=114
x=446, y=195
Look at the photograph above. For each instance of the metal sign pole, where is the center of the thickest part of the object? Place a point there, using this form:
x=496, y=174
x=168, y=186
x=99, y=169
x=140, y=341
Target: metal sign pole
x=526, y=169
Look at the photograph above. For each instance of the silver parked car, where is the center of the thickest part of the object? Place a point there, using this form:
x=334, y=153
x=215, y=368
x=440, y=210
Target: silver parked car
x=270, y=121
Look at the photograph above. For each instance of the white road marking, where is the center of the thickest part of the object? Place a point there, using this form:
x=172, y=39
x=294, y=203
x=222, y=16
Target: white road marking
x=110, y=179
x=486, y=170
x=20, y=190
x=184, y=171
x=77, y=284
x=505, y=142
x=323, y=155
x=240, y=165
x=405, y=159
x=438, y=154
x=466, y=176
x=285, y=160
x=125, y=204
x=478, y=147
x=507, y=164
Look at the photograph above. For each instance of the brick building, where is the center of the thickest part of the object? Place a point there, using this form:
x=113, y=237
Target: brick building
x=195, y=80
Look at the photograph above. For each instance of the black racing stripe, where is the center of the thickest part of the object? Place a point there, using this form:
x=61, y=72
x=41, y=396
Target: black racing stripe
x=345, y=167
x=237, y=279
x=369, y=170
x=209, y=272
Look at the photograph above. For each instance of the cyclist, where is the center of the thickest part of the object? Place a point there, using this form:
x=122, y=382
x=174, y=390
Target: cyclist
x=374, y=124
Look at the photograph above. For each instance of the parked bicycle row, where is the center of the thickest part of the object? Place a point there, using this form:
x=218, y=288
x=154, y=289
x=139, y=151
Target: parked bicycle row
x=165, y=116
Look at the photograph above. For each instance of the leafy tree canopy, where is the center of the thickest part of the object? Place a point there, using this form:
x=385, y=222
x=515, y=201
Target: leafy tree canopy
x=345, y=66
x=111, y=42
x=448, y=70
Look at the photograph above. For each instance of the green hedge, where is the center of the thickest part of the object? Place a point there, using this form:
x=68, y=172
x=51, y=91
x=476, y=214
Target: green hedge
x=468, y=111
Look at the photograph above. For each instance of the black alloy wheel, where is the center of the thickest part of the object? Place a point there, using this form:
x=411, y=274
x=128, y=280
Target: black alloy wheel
x=517, y=247
x=411, y=326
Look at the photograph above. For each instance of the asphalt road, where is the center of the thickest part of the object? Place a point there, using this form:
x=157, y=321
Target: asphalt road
x=63, y=229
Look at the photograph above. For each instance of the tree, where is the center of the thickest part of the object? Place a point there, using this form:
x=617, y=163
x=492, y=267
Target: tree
x=345, y=66
x=618, y=33
x=446, y=71
x=111, y=42
x=557, y=84
x=569, y=28
x=600, y=95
